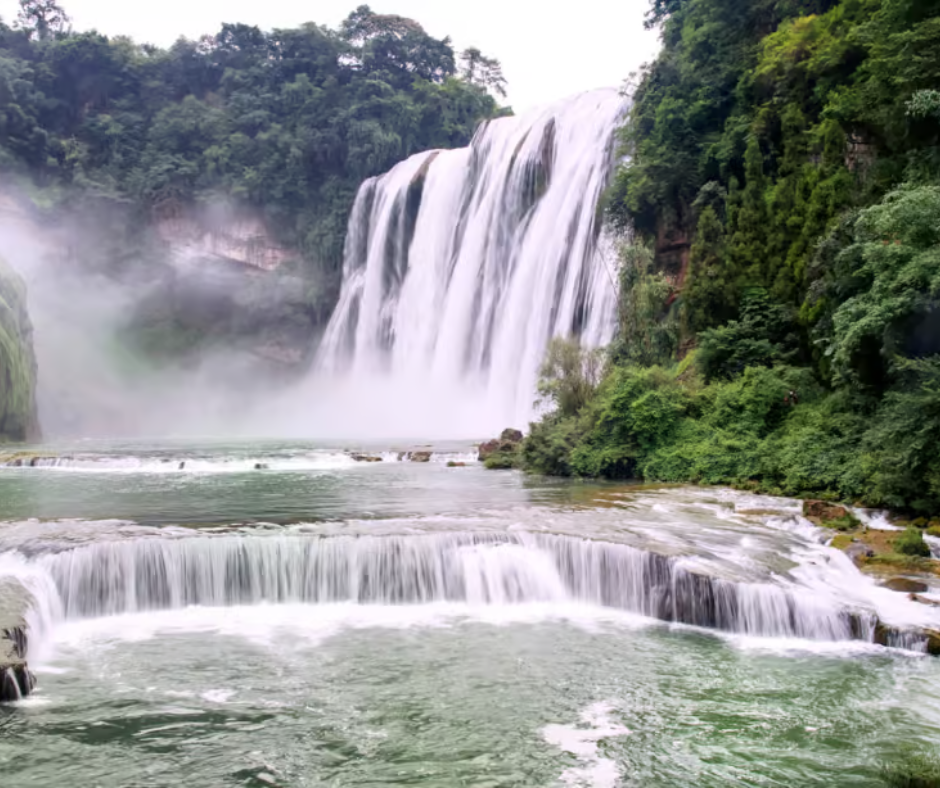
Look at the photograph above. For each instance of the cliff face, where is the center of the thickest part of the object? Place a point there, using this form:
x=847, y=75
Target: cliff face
x=18, y=420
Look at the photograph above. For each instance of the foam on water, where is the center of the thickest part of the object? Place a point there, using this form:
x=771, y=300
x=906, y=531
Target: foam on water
x=582, y=742
x=185, y=465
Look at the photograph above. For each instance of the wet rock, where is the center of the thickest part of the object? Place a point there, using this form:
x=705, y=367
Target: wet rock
x=365, y=458
x=905, y=585
x=453, y=464
x=858, y=551
x=260, y=466
x=821, y=510
x=933, y=642
x=16, y=681
x=420, y=456
x=486, y=449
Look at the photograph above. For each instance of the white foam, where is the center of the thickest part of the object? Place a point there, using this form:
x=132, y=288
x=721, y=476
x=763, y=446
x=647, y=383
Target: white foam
x=582, y=742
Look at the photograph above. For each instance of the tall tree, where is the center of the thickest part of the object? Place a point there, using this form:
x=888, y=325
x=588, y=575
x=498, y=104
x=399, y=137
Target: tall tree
x=43, y=19
x=477, y=69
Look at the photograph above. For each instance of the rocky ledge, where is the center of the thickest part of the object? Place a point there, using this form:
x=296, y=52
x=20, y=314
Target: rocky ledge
x=15, y=679
x=502, y=453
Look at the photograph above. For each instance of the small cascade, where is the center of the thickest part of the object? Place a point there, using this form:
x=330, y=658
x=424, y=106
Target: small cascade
x=461, y=265
x=10, y=686
x=478, y=569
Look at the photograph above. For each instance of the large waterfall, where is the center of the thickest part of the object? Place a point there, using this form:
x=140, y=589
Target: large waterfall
x=461, y=265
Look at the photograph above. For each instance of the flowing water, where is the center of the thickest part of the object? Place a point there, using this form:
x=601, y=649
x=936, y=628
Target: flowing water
x=461, y=265
x=281, y=614
x=319, y=621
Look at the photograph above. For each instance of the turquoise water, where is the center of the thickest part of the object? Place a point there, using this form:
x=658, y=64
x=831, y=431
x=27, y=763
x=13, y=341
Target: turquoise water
x=448, y=693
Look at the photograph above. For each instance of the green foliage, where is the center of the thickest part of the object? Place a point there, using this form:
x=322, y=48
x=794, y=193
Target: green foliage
x=648, y=332
x=502, y=461
x=286, y=122
x=792, y=149
x=764, y=335
x=569, y=376
x=895, y=264
x=911, y=542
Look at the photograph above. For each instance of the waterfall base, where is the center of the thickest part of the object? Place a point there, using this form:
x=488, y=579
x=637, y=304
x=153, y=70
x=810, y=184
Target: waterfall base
x=16, y=681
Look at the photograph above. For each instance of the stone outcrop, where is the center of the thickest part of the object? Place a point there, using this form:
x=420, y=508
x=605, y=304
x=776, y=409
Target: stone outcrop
x=905, y=585
x=18, y=415
x=365, y=457
x=823, y=511
x=502, y=453
x=15, y=679
x=420, y=456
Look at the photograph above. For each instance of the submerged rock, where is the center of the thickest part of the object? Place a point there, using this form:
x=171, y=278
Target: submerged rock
x=365, y=458
x=905, y=585
x=453, y=464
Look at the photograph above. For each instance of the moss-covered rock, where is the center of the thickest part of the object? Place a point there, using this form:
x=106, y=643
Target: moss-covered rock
x=18, y=420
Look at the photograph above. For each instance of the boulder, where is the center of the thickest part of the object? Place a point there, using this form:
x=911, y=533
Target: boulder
x=905, y=585
x=933, y=642
x=420, y=456
x=821, y=510
x=453, y=464
x=365, y=458
x=857, y=551
x=486, y=449
x=511, y=436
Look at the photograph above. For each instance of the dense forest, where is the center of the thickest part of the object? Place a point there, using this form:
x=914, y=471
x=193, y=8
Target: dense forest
x=114, y=135
x=780, y=294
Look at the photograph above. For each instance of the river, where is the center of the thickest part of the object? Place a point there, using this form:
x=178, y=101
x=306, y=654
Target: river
x=319, y=621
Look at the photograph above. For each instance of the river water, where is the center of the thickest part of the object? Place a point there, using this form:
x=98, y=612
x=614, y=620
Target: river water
x=318, y=621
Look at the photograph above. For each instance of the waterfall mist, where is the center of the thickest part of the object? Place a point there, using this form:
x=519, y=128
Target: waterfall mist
x=460, y=266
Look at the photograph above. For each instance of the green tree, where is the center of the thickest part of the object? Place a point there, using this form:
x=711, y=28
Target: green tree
x=43, y=19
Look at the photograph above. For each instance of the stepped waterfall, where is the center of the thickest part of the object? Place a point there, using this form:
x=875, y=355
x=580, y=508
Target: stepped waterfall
x=488, y=569
x=461, y=265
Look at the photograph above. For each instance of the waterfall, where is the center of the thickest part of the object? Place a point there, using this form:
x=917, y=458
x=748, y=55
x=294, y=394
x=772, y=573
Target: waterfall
x=478, y=569
x=461, y=265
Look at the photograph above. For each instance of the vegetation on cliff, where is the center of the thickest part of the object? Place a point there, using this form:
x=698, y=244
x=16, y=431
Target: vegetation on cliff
x=284, y=123
x=784, y=200
x=17, y=362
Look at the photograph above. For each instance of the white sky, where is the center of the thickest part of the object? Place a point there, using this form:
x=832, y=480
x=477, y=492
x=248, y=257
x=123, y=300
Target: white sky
x=549, y=49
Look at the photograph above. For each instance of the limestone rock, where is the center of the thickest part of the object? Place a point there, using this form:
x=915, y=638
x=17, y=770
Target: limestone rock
x=486, y=449
x=821, y=510
x=905, y=585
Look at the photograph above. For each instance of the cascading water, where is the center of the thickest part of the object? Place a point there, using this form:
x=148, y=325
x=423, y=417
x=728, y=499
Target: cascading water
x=478, y=569
x=461, y=265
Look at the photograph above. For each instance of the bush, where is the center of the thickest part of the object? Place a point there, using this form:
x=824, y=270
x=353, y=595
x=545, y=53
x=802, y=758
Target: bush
x=502, y=461
x=911, y=542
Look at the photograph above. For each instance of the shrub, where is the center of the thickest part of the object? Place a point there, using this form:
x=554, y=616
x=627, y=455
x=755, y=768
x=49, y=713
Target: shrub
x=911, y=542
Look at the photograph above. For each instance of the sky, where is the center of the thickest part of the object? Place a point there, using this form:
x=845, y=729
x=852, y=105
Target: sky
x=548, y=51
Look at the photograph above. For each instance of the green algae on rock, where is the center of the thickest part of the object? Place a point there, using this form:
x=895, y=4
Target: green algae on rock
x=18, y=420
